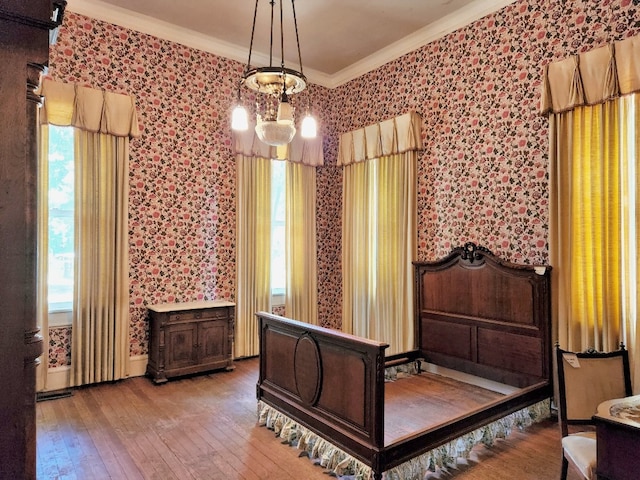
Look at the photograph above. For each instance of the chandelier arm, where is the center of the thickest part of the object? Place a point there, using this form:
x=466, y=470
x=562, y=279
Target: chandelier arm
x=295, y=24
x=253, y=30
x=271, y=36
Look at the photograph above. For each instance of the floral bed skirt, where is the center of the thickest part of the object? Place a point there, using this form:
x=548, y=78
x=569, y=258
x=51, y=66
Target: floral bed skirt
x=344, y=466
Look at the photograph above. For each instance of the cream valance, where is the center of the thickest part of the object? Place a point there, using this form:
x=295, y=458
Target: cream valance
x=396, y=135
x=592, y=77
x=307, y=151
x=89, y=109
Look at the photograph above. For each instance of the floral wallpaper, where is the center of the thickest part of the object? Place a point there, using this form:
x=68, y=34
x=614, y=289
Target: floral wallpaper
x=483, y=173
x=182, y=170
x=59, y=347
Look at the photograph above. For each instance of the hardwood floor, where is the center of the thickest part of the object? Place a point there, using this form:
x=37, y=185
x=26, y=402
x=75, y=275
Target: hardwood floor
x=409, y=399
x=204, y=427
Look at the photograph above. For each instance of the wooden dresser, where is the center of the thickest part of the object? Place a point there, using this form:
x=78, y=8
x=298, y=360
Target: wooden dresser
x=190, y=337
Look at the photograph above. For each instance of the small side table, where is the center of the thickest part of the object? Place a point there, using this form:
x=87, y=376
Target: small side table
x=618, y=439
x=190, y=337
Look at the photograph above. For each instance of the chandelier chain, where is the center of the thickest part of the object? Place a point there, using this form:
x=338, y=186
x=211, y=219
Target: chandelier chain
x=273, y=3
x=295, y=24
x=253, y=31
x=281, y=37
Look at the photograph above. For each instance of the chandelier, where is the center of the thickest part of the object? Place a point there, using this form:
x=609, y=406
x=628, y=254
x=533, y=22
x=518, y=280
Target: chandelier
x=274, y=87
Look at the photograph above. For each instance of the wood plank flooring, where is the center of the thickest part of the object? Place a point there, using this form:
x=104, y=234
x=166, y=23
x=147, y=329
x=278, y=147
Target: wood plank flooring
x=204, y=427
x=420, y=402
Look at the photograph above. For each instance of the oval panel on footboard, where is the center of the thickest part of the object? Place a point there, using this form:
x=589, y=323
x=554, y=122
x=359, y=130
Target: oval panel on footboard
x=307, y=370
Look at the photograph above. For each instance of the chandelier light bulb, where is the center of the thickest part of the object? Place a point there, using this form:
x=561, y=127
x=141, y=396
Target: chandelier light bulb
x=285, y=111
x=309, y=128
x=239, y=119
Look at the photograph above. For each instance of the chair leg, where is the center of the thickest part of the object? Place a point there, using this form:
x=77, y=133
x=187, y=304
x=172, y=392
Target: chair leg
x=565, y=467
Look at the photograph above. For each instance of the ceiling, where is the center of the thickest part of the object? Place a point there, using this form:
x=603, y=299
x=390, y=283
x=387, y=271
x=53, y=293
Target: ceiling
x=339, y=39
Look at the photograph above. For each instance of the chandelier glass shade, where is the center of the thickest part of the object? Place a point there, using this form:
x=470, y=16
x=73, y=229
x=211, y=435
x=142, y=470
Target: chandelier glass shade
x=273, y=88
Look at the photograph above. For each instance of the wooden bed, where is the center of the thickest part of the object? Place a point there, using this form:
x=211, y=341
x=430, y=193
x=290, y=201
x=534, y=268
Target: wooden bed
x=474, y=313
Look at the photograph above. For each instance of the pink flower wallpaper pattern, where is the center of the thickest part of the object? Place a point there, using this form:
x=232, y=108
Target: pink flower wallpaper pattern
x=483, y=173
x=182, y=170
x=59, y=347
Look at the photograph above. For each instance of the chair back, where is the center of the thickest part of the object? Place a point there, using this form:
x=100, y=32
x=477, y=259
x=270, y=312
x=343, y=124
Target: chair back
x=587, y=379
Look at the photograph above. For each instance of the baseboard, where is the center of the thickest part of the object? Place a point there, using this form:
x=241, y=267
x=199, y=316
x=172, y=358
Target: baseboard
x=59, y=378
x=138, y=365
x=53, y=394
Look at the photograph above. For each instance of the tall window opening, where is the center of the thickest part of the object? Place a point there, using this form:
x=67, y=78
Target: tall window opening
x=60, y=252
x=592, y=103
x=82, y=226
x=278, y=232
x=379, y=230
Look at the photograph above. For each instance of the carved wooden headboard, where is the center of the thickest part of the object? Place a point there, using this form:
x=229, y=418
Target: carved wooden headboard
x=485, y=316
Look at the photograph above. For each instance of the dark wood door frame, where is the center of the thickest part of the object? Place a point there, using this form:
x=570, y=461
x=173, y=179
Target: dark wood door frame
x=24, y=52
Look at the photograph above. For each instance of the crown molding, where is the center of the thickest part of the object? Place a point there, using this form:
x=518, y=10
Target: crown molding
x=142, y=23
x=157, y=28
x=418, y=39
x=151, y=26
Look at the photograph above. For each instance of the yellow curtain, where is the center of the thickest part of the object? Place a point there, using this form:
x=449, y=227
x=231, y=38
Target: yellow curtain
x=357, y=245
x=379, y=244
x=379, y=229
x=104, y=122
x=253, y=250
x=100, y=318
x=632, y=325
x=397, y=247
x=587, y=205
x=631, y=235
x=593, y=235
x=301, y=297
x=593, y=109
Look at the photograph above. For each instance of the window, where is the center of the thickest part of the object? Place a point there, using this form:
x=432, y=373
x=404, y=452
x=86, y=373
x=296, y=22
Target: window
x=378, y=245
x=83, y=221
x=61, y=224
x=278, y=223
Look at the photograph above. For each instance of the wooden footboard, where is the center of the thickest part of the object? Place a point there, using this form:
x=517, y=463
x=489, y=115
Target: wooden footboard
x=330, y=382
